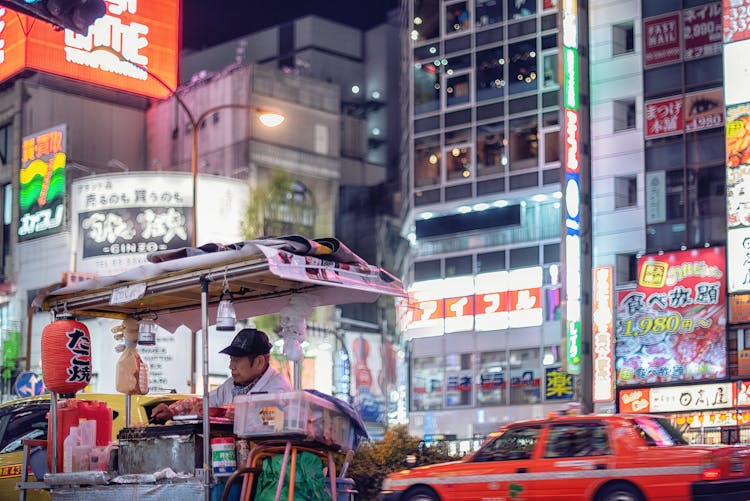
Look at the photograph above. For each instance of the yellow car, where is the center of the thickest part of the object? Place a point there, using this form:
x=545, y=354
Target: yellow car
x=26, y=418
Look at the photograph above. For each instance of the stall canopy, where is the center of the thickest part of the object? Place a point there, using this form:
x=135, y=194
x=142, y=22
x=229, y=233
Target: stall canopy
x=260, y=275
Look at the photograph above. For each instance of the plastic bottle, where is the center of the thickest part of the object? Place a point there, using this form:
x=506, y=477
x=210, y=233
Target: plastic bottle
x=71, y=441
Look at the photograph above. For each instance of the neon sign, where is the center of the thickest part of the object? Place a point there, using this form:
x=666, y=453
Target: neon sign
x=573, y=286
x=42, y=183
x=603, y=380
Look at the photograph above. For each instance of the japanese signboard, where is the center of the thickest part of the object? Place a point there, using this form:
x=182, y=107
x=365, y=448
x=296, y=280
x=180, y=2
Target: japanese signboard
x=678, y=398
x=558, y=384
x=145, y=32
x=664, y=117
x=704, y=109
x=701, y=30
x=661, y=39
x=736, y=20
x=738, y=259
x=489, y=301
x=42, y=183
x=671, y=327
x=603, y=314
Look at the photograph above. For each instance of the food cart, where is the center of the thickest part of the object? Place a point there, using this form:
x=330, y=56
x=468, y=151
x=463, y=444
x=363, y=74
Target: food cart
x=184, y=287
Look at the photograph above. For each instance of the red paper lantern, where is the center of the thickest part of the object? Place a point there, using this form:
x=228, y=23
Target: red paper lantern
x=66, y=356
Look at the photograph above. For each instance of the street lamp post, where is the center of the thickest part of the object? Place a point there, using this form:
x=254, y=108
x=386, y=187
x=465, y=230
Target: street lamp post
x=266, y=117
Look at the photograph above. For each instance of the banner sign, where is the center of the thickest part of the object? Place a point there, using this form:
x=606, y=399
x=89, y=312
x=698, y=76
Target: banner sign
x=697, y=397
x=661, y=39
x=672, y=326
x=701, y=30
x=603, y=378
x=664, y=117
x=704, y=109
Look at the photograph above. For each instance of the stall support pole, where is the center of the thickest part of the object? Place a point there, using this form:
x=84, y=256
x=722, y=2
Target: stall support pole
x=53, y=431
x=127, y=410
x=206, y=430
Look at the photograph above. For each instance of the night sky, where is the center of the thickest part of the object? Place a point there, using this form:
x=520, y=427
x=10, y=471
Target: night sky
x=209, y=22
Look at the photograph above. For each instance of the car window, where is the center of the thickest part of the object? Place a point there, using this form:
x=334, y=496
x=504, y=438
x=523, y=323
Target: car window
x=577, y=440
x=29, y=422
x=514, y=443
x=658, y=432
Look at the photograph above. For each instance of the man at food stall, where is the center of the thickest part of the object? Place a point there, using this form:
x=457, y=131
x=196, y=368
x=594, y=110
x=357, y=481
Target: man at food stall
x=249, y=361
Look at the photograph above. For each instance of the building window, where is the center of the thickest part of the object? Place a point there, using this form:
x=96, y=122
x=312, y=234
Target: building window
x=522, y=71
x=457, y=89
x=427, y=161
x=552, y=146
x=458, y=162
x=626, y=269
x=549, y=71
x=459, y=379
x=492, y=156
x=624, y=114
x=458, y=266
x=456, y=17
x=489, y=73
x=426, y=88
x=626, y=192
x=525, y=376
x=488, y=12
x=427, y=270
x=521, y=8
x=524, y=143
x=426, y=19
x=524, y=257
x=623, y=38
x=427, y=383
x=490, y=261
x=492, y=387
x=4, y=135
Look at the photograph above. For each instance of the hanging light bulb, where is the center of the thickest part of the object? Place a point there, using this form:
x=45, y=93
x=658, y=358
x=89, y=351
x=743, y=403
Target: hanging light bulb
x=147, y=332
x=225, y=314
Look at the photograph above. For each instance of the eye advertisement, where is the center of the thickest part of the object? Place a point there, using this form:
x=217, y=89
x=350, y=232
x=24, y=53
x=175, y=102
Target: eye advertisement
x=672, y=326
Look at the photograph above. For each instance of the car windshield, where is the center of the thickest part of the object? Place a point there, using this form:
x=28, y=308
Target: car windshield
x=658, y=432
x=514, y=443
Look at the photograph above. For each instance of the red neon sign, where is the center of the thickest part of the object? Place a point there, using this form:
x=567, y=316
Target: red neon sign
x=145, y=32
x=571, y=140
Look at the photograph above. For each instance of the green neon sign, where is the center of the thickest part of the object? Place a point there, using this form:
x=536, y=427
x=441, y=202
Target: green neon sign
x=570, y=78
x=574, y=347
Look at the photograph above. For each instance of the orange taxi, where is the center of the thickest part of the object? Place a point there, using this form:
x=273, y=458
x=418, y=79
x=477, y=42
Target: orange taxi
x=582, y=458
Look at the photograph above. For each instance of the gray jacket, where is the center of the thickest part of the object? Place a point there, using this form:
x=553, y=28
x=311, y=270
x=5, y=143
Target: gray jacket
x=271, y=380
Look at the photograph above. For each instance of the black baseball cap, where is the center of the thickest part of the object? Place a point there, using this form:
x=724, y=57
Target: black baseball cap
x=248, y=342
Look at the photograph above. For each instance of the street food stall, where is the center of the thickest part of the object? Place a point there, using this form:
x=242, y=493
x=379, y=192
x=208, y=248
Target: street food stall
x=187, y=286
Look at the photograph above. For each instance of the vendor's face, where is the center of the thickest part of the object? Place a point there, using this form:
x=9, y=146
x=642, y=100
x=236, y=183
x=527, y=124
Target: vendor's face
x=245, y=370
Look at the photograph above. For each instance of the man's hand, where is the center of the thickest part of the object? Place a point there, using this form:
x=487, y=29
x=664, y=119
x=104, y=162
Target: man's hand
x=161, y=413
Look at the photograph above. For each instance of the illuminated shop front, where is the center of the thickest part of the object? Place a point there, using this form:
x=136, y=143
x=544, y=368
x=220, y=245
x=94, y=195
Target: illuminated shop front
x=706, y=413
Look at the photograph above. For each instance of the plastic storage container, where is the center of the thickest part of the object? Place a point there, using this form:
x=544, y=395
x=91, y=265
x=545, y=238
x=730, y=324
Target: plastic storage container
x=297, y=414
x=70, y=413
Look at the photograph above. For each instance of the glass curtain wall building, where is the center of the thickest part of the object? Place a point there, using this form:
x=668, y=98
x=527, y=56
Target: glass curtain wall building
x=482, y=322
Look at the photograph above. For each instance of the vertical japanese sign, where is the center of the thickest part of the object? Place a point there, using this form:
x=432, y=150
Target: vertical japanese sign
x=672, y=326
x=603, y=314
x=701, y=30
x=572, y=196
x=42, y=183
x=661, y=40
x=736, y=23
x=738, y=196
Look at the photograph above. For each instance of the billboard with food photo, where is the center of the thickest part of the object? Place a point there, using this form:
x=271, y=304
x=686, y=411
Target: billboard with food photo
x=671, y=327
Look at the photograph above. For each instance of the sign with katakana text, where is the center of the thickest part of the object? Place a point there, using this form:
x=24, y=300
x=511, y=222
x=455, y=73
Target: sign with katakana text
x=701, y=30
x=671, y=327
